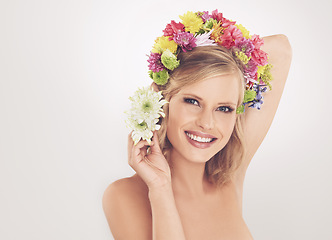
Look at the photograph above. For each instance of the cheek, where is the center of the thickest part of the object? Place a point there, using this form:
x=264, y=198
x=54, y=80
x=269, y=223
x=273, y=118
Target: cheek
x=226, y=125
x=172, y=123
x=178, y=116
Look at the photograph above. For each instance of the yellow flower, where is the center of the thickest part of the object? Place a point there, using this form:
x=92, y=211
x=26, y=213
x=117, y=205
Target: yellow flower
x=192, y=22
x=264, y=74
x=162, y=43
x=243, y=57
x=264, y=71
x=244, y=31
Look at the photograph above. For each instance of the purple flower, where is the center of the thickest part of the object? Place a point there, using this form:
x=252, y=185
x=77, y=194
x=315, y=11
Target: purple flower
x=245, y=45
x=155, y=64
x=186, y=40
x=258, y=101
x=205, y=16
x=251, y=69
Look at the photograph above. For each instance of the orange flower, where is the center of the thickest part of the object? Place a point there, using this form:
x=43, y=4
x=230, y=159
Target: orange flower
x=217, y=32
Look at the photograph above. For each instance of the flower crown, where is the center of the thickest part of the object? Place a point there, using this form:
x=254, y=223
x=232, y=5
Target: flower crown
x=202, y=29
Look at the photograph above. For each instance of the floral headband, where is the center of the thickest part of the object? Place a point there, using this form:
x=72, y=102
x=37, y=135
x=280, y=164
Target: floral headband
x=195, y=30
x=202, y=29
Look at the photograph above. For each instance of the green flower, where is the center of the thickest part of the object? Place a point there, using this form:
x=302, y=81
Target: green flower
x=151, y=74
x=160, y=77
x=207, y=26
x=169, y=60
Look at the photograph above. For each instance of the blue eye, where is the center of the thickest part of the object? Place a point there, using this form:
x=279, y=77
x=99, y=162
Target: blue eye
x=191, y=101
x=225, y=109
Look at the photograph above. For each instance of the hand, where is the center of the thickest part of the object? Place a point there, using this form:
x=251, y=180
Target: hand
x=153, y=168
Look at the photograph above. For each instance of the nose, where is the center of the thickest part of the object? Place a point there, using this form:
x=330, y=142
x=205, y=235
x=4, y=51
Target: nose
x=205, y=120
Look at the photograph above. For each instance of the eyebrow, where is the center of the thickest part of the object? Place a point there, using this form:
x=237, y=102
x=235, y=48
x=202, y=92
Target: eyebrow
x=220, y=103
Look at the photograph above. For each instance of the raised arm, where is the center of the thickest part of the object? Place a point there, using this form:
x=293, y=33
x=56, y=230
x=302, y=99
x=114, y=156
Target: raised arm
x=258, y=122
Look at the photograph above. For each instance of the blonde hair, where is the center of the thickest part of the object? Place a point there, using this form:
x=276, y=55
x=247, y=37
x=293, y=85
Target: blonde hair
x=196, y=65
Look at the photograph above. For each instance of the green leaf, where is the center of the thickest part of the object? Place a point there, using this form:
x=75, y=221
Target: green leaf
x=240, y=109
x=249, y=95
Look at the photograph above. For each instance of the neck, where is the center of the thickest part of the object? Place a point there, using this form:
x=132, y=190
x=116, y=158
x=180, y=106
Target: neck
x=189, y=177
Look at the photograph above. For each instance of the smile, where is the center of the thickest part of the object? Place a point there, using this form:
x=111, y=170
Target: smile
x=202, y=141
x=199, y=139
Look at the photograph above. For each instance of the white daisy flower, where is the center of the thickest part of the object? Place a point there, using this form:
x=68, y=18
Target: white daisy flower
x=146, y=108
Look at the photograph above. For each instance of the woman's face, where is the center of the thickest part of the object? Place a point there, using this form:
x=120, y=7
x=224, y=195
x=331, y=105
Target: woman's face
x=202, y=117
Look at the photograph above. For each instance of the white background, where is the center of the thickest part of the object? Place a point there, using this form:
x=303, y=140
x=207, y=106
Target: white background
x=67, y=68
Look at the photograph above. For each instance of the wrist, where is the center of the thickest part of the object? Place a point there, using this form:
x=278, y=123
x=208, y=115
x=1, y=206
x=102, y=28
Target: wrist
x=162, y=190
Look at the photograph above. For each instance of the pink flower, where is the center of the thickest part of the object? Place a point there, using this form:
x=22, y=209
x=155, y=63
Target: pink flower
x=225, y=23
x=155, y=64
x=259, y=56
x=173, y=28
x=231, y=34
x=251, y=69
x=257, y=41
x=186, y=40
x=217, y=16
x=205, y=16
x=244, y=45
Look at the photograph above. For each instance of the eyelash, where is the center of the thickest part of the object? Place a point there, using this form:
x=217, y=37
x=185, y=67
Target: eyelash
x=226, y=109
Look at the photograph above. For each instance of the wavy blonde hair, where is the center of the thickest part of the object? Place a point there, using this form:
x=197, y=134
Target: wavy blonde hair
x=196, y=65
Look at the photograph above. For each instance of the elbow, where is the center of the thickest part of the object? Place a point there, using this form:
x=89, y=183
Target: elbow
x=284, y=46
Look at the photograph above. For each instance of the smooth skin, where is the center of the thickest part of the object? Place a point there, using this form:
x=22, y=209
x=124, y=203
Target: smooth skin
x=179, y=203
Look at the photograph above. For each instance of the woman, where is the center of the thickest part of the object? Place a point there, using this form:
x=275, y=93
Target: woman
x=189, y=184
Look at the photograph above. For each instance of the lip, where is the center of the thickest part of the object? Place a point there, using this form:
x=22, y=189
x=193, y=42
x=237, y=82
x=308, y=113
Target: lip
x=200, y=145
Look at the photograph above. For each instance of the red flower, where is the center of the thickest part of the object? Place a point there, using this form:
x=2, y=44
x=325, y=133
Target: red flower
x=224, y=21
x=231, y=34
x=259, y=56
x=173, y=28
x=217, y=16
x=257, y=41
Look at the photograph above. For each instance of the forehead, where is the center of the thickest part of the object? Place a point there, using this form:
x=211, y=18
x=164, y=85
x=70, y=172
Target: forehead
x=223, y=88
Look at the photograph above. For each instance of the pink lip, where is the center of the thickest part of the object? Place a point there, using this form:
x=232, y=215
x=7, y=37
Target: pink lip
x=201, y=145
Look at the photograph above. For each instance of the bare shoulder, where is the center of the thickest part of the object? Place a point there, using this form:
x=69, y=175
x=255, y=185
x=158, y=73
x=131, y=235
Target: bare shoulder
x=127, y=209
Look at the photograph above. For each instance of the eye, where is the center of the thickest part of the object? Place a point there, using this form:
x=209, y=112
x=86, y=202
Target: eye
x=191, y=101
x=225, y=109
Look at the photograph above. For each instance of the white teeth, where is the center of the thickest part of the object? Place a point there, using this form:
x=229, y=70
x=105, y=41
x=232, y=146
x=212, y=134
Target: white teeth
x=198, y=139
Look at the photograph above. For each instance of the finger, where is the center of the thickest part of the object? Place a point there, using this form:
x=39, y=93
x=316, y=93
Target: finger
x=155, y=147
x=130, y=142
x=136, y=150
x=143, y=151
x=154, y=86
x=141, y=144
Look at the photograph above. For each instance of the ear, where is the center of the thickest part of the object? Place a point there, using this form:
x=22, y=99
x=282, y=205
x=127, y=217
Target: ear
x=155, y=87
